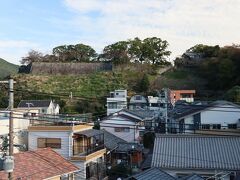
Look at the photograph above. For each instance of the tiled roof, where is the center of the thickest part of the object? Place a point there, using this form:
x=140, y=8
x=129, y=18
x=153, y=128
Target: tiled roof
x=192, y=177
x=196, y=152
x=140, y=113
x=40, y=164
x=34, y=103
x=152, y=174
x=111, y=141
x=90, y=132
x=184, y=109
x=127, y=146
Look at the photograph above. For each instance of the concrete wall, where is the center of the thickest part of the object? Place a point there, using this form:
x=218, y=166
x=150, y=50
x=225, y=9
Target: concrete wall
x=69, y=68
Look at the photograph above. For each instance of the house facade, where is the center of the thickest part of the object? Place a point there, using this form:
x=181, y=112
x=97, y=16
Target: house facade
x=80, y=144
x=117, y=101
x=127, y=128
x=185, y=95
x=39, y=107
x=215, y=116
x=138, y=102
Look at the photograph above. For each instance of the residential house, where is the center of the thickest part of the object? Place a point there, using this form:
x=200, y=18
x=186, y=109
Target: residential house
x=20, y=125
x=186, y=95
x=207, y=156
x=122, y=152
x=154, y=103
x=130, y=125
x=80, y=144
x=138, y=102
x=37, y=107
x=117, y=101
x=41, y=164
x=214, y=116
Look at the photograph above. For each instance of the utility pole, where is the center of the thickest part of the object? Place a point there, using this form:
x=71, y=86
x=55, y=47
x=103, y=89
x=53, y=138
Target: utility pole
x=9, y=158
x=166, y=117
x=11, y=104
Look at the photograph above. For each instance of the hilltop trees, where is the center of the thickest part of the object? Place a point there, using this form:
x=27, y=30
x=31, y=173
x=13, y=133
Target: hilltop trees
x=63, y=53
x=78, y=52
x=150, y=50
x=116, y=53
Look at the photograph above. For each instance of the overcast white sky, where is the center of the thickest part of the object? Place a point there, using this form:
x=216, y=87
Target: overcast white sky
x=41, y=25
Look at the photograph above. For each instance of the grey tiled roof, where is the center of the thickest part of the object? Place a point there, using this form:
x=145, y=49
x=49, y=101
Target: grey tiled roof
x=152, y=174
x=141, y=113
x=196, y=152
x=110, y=140
x=34, y=103
x=127, y=146
x=183, y=109
x=90, y=132
x=192, y=177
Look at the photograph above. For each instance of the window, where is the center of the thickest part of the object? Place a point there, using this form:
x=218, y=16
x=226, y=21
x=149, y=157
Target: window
x=141, y=133
x=34, y=114
x=49, y=142
x=112, y=105
x=138, y=98
x=185, y=95
x=216, y=126
x=122, y=129
x=205, y=126
x=232, y=126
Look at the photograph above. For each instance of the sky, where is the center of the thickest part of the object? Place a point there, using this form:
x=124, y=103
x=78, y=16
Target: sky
x=43, y=24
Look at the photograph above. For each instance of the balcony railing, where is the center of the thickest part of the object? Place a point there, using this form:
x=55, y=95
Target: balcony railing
x=89, y=149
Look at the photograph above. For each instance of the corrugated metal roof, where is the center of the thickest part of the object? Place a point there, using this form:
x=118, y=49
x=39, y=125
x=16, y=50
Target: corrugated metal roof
x=153, y=174
x=198, y=152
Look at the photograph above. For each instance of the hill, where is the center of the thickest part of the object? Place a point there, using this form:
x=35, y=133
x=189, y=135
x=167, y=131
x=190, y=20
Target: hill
x=7, y=68
x=90, y=91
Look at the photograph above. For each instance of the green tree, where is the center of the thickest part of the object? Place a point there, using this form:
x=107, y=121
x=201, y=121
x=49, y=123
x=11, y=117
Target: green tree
x=233, y=94
x=205, y=50
x=151, y=50
x=78, y=52
x=117, y=52
x=84, y=53
x=155, y=50
x=148, y=140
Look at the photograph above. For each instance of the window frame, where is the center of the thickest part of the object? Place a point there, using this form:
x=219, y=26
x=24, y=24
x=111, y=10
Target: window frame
x=48, y=144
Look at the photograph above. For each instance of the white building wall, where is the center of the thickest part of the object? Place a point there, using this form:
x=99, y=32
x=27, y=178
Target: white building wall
x=66, y=141
x=20, y=126
x=224, y=116
x=109, y=125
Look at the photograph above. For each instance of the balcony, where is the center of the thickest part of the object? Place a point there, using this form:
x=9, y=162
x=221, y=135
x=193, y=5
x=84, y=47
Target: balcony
x=88, y=143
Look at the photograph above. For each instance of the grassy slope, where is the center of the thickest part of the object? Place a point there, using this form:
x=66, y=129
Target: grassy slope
x=99, y=84
x=7, y=68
